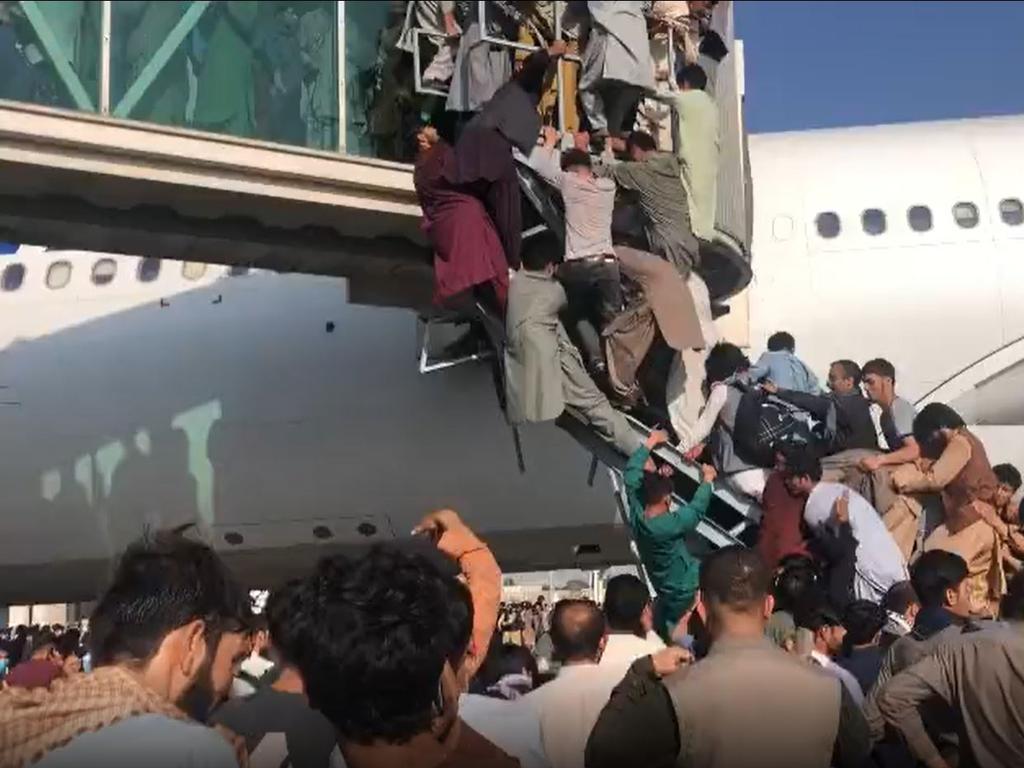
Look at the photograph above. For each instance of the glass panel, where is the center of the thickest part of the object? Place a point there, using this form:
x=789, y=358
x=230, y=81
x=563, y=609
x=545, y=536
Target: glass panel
x=149, y=270
x=828, y=225
x=919, y=217
x=103, y=272
x=373, y=108
x=14, y=276
x=1011, y=211
x=50, y=53
x=873, y=221
x=58, y=275
x=265, y=70
x=966, y=215
x=193, y=270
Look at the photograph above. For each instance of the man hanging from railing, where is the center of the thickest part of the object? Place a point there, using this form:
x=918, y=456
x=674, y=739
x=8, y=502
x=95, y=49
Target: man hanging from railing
x=544, y=372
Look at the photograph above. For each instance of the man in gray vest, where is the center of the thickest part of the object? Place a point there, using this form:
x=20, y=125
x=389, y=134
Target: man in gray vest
x=747, y=704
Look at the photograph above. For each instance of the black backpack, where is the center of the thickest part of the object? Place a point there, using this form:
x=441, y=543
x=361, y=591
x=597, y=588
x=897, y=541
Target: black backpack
x=764, y=422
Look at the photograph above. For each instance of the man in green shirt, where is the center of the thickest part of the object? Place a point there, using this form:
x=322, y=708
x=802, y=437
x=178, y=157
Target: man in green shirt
x=659, y=530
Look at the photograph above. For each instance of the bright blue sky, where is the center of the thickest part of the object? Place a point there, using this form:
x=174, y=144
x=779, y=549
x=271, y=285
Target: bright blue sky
x=823, y=64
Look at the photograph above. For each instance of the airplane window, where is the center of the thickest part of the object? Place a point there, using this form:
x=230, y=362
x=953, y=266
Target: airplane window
x=1011, y=211
x=828, y=225
x=238, y=271
x=58, y=275
x=14, y=276
x=103, y=272
x=873, y=221
x=966, y=215
x=193, y=270
x=149, y=270
x=919, y=217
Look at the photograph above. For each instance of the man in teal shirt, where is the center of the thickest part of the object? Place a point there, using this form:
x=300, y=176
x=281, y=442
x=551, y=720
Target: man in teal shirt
x=659, y=530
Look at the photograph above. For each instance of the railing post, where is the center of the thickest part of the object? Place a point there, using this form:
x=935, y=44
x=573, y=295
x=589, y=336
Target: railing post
x=106, y=9
x=342, y=106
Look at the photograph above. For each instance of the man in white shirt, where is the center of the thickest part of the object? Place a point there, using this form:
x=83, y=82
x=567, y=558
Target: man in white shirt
x=879, y=561
x=629, y=614
x=818, y=617
x=570, y=704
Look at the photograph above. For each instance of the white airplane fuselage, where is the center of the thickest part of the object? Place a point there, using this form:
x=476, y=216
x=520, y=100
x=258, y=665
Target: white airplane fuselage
x=287, y=422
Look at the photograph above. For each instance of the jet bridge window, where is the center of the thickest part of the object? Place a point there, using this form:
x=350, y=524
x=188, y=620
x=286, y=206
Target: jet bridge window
x=149, y=270
x=828, y=225
x=103, y=272
x=1011, y=211
x=919, y=217
x=58, y=275
x=13, y=277
x=873, y=221
x=966, y=215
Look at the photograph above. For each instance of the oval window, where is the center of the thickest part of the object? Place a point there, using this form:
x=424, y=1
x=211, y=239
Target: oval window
x=103, y=272
x=919, y=217
x=58, y=275
x=966, y=215
x=193, y=270
x=14, y=276
x=827, y=225
x=149, y=270
x=1011, y=211
x=873, y=221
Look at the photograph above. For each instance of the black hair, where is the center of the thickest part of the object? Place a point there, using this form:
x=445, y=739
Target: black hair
x=504, y=659
x=574, y=157
x=625, y=599
x=577, y=627
x=1012, y=606
x=794, y=583
x=45, y=638
x=932, y=418
x=803, y=464
x=68, y=645
x=163, y=582
x=879, y=367
x=724, y=360
x=814, y=612
x=642, y=141
x=735, y=578
x=863, y=620
x=693, y=75
x=656, y=487
x=900, y=597
x=280, y=608
x=781, y=341
x=375, y=634
x=540, y=250
x=1007, y=474
x=934, y=572
x=851, y=370
x=460, y=621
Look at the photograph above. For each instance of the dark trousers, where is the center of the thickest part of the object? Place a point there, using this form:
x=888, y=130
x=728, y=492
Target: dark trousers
x=595, y=298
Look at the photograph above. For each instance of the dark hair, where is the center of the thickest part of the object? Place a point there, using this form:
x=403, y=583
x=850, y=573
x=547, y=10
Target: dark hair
x=374, y=635
x=724, y=360
x=814, y=613
x=642, y=141
x=781, y=341
x=625, y=599
x=735, y=578
x=879, y=367
x=863, y=620
x=693, y=75
x=577, y=627
x=68, y=645
x=934, y=572
x=803, y=464
x=281, y=607
x=794, y=583
x=932, y=418
x=505, y=659
x=540, y=250
x=163, y=582
x=45, y=638
x=1008, y=474
x=851, y=370
x=656, y=487
x=460, y=621
x=574, y=157
x=1012, y=606
x=900, y=597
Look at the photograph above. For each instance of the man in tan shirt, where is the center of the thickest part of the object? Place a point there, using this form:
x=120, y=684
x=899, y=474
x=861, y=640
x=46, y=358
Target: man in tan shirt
x=980, y=677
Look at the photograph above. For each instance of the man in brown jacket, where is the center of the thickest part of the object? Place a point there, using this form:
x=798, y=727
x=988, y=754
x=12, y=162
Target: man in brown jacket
x=980, y=678
x=747, y=704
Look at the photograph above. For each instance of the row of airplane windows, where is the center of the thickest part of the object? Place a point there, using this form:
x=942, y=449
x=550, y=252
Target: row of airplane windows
x=58, y=274
x=919, y=218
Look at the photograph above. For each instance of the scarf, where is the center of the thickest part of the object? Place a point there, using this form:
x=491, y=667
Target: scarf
x=35, y=722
